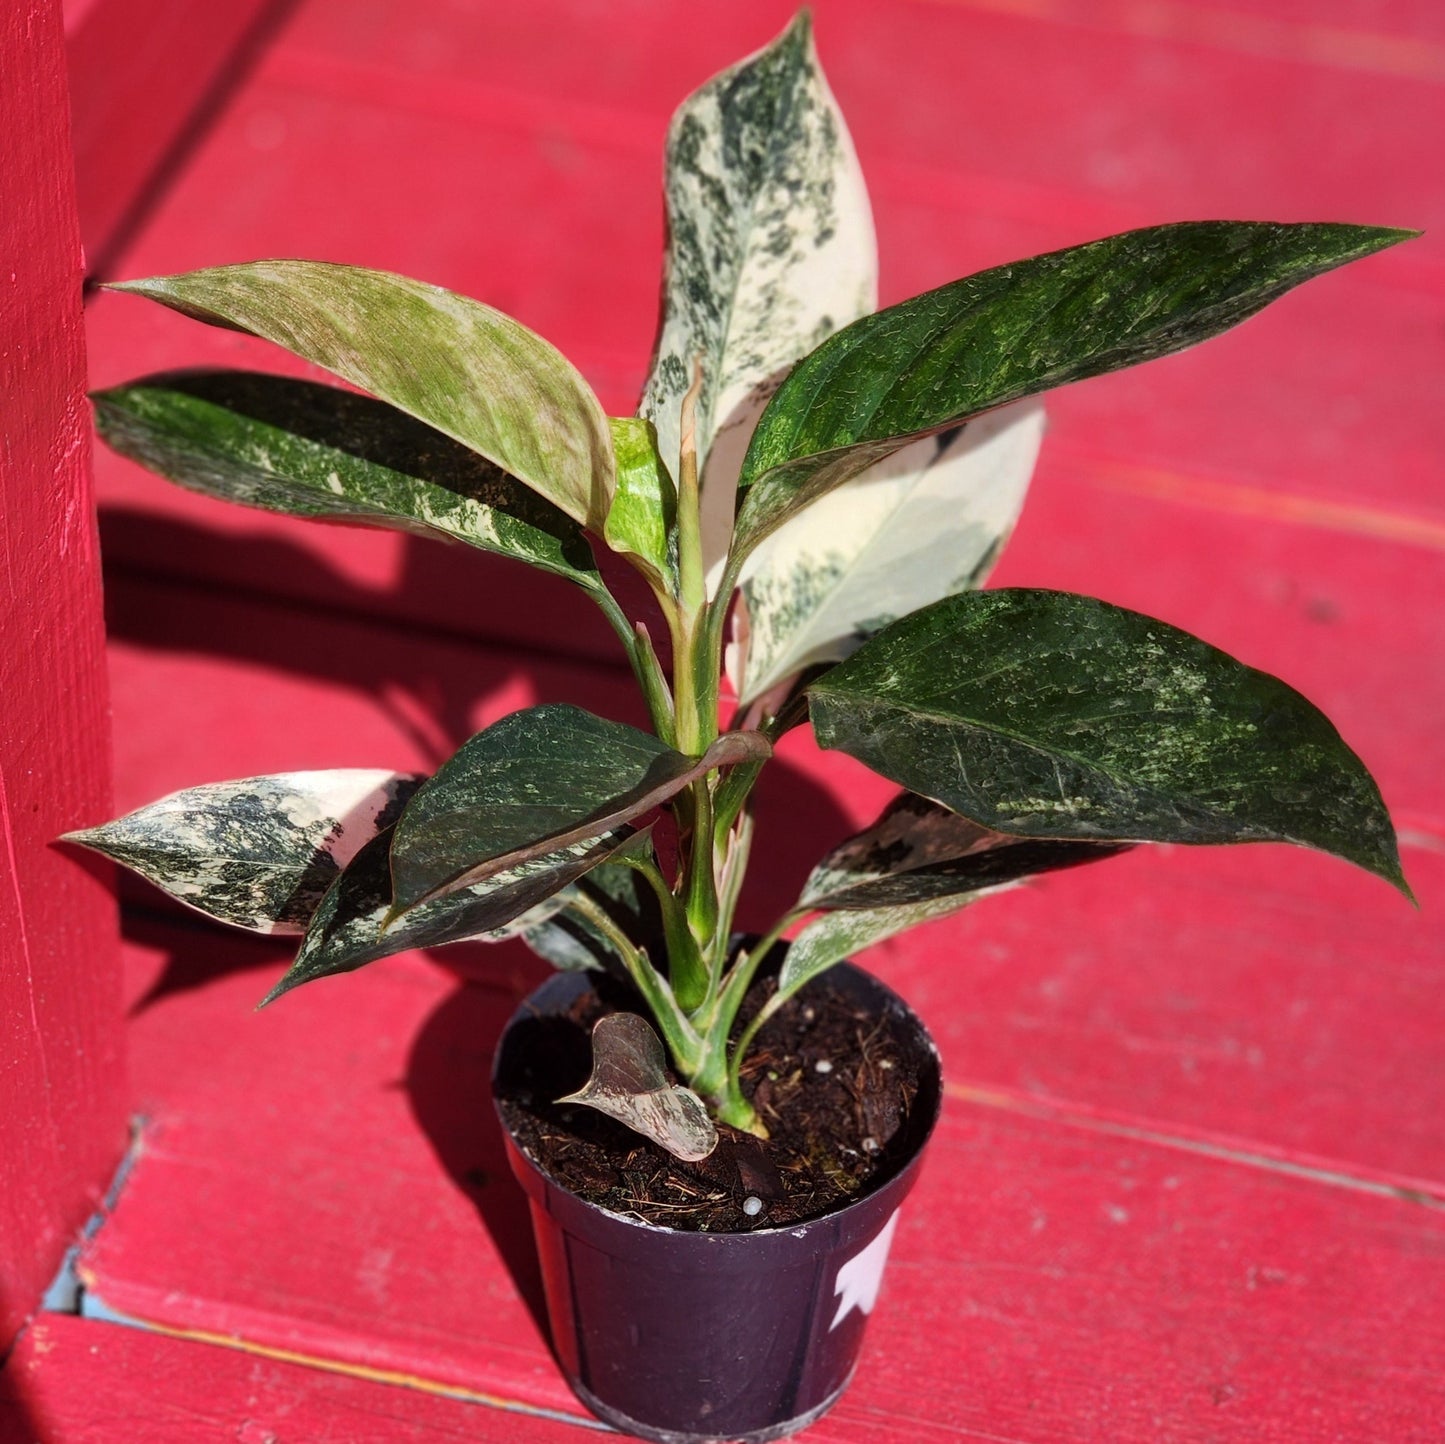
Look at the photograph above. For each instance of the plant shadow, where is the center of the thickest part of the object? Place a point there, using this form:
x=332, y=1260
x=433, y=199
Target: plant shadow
x=448, y=1080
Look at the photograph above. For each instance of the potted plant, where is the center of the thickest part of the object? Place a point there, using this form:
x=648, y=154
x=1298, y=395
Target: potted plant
x=813, y=492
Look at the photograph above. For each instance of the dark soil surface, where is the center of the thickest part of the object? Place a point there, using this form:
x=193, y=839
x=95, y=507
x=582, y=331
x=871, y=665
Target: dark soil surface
x=834, y=1083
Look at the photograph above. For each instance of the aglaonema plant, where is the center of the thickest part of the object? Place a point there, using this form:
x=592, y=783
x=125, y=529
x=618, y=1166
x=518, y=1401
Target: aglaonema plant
x=813, y=491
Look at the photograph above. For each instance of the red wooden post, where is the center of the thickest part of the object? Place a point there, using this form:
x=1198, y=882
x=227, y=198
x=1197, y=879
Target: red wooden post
x=62, y=1102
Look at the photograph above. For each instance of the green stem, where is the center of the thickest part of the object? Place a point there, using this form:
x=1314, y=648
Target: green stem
x=744, y=1046
x=740, y=979
x=687, y=971
x=736, y=847
x=732, y=796
x=694, y=683
x=645, y=666
x=654, y=686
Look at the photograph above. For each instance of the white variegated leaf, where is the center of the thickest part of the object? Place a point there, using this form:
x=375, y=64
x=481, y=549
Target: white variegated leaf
x=258, y=852
x=920, y=526
x=771, y=249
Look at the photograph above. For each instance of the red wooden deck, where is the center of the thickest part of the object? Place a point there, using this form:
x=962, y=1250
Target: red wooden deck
x=1190, y=1178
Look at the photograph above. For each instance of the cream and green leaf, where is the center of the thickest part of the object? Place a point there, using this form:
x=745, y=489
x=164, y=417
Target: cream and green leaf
x=629, y=1082
x=770, y=250
x=471, y=372
x=918, y=861
x=644, y=506
x=258, y=852
x=317, y=451
x=918, y=851
x=834, y=936
x=923, y=524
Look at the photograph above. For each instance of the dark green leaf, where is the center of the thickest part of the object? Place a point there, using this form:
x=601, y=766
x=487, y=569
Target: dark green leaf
x=918, y=851
x=1014, y=331
x=473, y=373
x=537, y=780
x=1046, y=715
x=770, y=241
x=317, y=451
x=259, y=852
x=346, y=932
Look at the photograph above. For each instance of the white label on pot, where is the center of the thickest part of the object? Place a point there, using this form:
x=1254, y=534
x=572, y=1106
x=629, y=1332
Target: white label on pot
x=860, y=1278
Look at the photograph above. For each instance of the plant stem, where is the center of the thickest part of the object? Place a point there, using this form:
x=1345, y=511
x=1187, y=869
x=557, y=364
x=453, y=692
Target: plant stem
x=687, y=971
x=735, y=846
x=645, y=666
x=740, y=979
x=744, y=1046
x=654, y=685
x=694, y=681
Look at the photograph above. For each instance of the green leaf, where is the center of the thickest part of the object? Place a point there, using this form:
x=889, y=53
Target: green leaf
x=347, y=930
x=259, y=852
x=770, y=247
x=838, y=935
x=317, y=451
x=645, y=505
x=539, y=779
x=1046, y=715
x=1014, y=331
x=927, y=522
x=629, y=1082
x=478, y=376
x=918, y=852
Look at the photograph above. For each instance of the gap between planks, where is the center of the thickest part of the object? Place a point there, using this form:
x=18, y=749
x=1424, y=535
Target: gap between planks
x=94, y=1308
x=1330, y=1173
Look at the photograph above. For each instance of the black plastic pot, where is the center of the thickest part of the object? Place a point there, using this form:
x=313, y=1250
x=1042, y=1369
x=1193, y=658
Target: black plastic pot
x=689, y=1337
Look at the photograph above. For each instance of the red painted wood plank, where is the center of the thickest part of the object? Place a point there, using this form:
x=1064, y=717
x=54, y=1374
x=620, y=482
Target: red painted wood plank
x=604, y=71
x=252, y=687
x=62, y=1119
x=1057, y=1276
x=77, y=1381
x=140, y=71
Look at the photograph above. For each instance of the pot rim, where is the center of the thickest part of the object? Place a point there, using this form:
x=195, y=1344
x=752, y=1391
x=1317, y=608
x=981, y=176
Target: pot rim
x=579, y=980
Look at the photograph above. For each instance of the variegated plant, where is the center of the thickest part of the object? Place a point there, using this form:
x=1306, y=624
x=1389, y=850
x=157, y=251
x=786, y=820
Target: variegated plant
x=835, y=480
